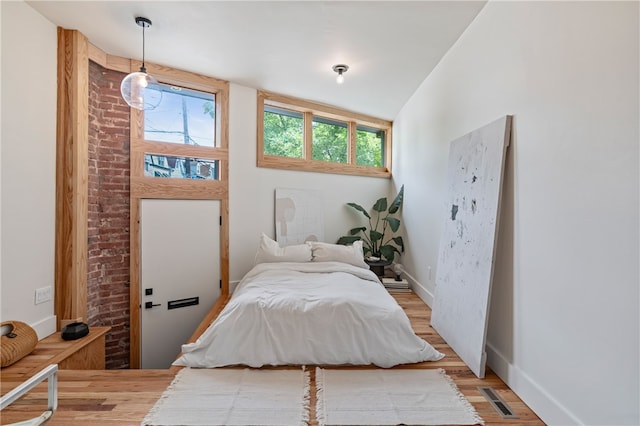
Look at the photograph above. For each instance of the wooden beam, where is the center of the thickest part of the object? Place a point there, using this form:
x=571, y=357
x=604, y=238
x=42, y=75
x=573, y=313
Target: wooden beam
x=72, y=176
x=134, y=283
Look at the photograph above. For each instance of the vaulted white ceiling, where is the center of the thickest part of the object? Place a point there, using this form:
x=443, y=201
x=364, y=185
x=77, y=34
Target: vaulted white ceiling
x=287, y=47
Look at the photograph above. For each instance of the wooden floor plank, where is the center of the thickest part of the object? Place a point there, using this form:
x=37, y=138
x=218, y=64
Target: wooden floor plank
x=123, y=397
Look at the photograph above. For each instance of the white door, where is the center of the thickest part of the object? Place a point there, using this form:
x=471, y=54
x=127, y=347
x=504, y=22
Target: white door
x=180, y=274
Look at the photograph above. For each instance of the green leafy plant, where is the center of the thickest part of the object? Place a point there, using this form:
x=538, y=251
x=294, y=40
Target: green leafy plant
x=382, y=221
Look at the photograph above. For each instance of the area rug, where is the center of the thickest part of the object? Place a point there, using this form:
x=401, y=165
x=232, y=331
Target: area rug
x=391, y=397
x=233, y=397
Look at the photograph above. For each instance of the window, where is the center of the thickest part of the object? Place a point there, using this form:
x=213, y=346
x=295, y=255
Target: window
x=329, y=140
x=294, y=134
x=284, y=132
x=369, y=146
x=180, y=167
x=180, y=148
x=184, y=116
x=183, y=138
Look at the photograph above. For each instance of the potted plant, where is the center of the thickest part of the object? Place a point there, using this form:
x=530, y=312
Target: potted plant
x=378, y=240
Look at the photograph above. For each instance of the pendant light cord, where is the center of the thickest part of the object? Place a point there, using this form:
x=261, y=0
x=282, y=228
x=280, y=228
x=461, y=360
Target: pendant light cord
x=142, y=68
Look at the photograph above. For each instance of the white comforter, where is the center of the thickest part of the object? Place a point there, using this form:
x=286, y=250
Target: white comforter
x=324, y=313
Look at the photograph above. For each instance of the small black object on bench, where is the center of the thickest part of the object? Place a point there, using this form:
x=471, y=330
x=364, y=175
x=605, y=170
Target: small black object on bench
x=74, y=331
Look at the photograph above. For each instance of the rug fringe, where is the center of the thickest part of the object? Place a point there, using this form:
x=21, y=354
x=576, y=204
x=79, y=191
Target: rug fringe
x=320, y=413
x=156, y=407
x=306, y=397
x=467, y=405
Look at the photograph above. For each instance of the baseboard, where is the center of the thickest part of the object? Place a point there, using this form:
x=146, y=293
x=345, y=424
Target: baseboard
x=539, y=400
x=419, y=289
x=45, y=327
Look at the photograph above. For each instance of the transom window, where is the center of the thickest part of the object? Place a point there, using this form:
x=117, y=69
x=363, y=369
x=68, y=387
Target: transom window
x=180, y=167
x=370, y=143
x=330, y=139
x=182, y=138
x=283, y=132
x=184, y=116
x=294, y=134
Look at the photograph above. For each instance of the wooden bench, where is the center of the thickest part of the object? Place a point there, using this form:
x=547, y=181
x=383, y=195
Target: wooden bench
x=86, y=353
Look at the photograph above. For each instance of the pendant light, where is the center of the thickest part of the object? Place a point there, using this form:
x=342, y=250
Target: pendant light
x=139, y=89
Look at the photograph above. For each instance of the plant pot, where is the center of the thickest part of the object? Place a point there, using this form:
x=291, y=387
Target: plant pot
x=377, y=266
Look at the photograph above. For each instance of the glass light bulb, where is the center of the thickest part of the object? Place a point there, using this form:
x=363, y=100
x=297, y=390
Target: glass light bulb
x=141, y=91
x=142, y=80
x=340, y=78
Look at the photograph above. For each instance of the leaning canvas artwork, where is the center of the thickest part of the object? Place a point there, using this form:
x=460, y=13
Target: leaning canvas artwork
x=467, y=245
x=299, y=216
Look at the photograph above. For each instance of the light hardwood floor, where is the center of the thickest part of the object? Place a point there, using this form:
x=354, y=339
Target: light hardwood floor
x=123, y=397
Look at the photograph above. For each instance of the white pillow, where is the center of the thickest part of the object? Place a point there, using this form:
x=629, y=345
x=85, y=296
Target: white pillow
x=325, y=252
x=270, y=251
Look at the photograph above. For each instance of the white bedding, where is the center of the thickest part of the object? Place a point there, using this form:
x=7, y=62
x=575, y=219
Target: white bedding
x=324, y=313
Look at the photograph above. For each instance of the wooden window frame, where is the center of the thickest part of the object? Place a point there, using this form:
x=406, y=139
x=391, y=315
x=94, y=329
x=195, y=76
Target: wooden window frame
x=144, y=187
x=309, y=110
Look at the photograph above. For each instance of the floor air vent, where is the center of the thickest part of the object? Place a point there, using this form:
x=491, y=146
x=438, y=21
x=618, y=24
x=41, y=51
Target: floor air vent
x=498, y=404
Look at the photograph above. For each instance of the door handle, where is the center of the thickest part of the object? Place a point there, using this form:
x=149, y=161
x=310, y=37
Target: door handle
x=149, y=305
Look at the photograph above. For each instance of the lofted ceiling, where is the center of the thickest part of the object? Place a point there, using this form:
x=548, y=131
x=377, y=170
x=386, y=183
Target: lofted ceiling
x=288, y=47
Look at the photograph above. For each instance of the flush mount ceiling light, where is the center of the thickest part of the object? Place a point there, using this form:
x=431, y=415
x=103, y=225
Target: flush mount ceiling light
x=340, y=69
x=139, y=89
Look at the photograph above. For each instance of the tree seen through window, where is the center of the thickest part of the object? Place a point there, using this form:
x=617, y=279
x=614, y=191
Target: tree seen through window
x=283, y=132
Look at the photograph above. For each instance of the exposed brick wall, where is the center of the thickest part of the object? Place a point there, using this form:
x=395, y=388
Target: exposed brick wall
x=108, y=228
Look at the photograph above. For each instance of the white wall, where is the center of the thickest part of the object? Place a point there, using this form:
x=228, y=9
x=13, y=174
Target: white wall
x=563, y=329
x=28, y=146
x=252, y=189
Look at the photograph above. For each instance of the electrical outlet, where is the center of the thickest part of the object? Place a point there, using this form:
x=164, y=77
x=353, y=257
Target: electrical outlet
x=43, y=294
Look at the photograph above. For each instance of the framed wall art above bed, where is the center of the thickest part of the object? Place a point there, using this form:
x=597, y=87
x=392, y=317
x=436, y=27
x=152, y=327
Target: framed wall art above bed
x=298, y=216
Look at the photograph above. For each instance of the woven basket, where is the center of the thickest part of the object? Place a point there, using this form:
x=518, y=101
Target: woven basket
x=18, y=340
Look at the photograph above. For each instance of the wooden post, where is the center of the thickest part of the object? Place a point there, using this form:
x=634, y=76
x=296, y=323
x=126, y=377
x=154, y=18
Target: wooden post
x=72, y=176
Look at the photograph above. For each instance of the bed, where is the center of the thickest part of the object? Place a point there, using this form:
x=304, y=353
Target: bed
x=324, y=307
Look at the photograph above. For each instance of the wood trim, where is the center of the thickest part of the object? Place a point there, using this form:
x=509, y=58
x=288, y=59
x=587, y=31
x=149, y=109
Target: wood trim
x=206, y=322
x=302, y=105
x=209, y=318
x=115, y=63
x=72, y=169
x=307, y=152
x=136, y=166
x=260, y=129
x=222, y=118
x=300, y=164
x=179, y=150
x=387, y=148
x=134, y=281
x=136, y=126
x=183, y=78
x=353, y=152
x=224, y=247
x=179, y=189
